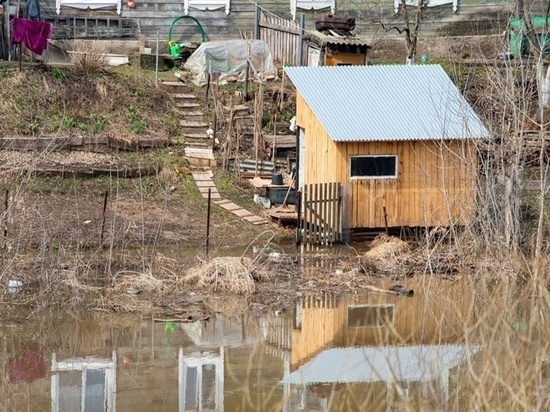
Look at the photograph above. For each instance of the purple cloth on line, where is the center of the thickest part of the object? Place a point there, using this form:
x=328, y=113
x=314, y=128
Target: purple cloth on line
x=33, y=34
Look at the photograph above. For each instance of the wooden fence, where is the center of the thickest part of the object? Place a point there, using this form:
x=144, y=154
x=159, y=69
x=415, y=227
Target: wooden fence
x=321, y=214
x=283, y=38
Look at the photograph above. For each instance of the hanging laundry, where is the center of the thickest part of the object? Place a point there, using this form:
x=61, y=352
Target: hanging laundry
x=33, y=35
x=33, y=10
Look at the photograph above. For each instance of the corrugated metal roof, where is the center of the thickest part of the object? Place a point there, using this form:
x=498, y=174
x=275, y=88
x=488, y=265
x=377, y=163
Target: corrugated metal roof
x=323, y=39
x=381, y=103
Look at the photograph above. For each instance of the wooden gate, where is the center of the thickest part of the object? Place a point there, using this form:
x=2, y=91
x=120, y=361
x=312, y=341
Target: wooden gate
x=283, y=38
x=321, y=214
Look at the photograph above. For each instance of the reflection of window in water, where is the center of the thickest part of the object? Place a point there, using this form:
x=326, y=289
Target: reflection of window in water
x=201, y=381
x=370, y=316
x=87, y=387
x=83, y=384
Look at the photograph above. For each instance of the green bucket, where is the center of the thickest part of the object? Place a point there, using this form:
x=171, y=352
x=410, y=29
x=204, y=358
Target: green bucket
x=175, y=50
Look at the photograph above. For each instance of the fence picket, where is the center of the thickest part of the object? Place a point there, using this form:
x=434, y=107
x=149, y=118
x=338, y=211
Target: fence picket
x=321, y=213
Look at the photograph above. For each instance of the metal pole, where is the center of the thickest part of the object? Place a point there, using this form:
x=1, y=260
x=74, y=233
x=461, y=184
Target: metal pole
x=8, y=28
x=208, y=219
x=157, y=62
x=105, y=199
x=301, y=45
x=257, y=22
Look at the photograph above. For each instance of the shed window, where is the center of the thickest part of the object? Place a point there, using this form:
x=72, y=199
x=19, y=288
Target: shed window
x=373, y=167
x=370, y=316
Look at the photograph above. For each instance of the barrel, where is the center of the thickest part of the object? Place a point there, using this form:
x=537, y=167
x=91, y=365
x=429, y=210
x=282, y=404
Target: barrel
x=277, y=179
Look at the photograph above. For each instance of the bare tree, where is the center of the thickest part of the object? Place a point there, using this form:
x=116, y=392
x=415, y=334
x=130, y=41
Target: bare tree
x=410, y=28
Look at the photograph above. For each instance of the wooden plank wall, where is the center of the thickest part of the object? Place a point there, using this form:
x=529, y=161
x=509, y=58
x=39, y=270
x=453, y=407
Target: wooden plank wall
x=475, y=17
x=435, y=184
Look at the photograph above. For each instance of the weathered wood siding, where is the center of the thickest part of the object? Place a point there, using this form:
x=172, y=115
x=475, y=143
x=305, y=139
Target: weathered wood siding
x=474, y=17
x=435, y=184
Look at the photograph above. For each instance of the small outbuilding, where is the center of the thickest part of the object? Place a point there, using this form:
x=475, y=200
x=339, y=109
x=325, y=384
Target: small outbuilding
x=383, y=146
x=336, y=48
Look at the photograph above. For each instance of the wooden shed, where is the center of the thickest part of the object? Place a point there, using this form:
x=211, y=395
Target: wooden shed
x=383, y=146
x=336, y=48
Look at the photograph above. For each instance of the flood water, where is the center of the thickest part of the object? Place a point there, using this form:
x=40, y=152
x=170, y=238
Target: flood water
x=443, y=349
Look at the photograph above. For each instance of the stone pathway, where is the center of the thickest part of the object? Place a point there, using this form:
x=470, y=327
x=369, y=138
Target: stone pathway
x=198, y=149
x=205, y=183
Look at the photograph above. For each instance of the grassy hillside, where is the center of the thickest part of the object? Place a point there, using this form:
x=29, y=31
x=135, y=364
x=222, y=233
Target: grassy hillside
x=120, y=102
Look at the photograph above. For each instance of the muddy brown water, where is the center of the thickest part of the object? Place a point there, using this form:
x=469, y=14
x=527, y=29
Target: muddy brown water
x=365, y=352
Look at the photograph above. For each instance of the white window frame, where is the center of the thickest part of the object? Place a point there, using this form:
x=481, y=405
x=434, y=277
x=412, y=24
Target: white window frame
x=368, y=177
x=82, y=365
x=311, y=5
x=206, y=5
x=426, y=3
x=92, y=4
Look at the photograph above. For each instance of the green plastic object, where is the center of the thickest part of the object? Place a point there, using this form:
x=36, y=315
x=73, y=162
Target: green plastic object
x=176, y=51
x=518, y=40
x=170, y=327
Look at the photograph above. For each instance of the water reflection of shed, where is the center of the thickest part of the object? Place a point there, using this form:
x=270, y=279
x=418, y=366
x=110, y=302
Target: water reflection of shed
x=387, y=347
x=370, y=320
x=399, y=368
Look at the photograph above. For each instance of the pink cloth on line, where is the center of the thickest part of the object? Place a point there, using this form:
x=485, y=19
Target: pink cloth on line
x=33, y=34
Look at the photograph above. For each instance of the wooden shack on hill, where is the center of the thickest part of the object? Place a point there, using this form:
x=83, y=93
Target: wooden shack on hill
x=383, y=146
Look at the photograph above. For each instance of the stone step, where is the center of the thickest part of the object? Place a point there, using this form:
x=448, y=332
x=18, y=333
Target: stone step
x=187, y=105
x=193, y=113
x=195, y=136
x=176, y=88
x=184, y=96
x=173, y=83
x=200, y=145
x=193, y=124
x=237, y=109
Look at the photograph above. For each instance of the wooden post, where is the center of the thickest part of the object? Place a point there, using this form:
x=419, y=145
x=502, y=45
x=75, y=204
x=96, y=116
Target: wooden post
x=208, y=219
x=299, y=226
x=207, y=91
x=157, y=61
x=301, y=45
x=257, y=22
x=215, y=119
x=105, y=198
x=246, y=95
x=8, y=28
x=6, y=206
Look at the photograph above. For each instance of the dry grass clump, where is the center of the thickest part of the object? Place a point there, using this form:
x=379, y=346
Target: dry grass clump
x=387, y=246
x=388, y=256
x=236, y=275
x=135, y=283
x=89, y=57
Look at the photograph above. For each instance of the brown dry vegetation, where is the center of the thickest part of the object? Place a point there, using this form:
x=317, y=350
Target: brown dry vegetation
x=139, y=254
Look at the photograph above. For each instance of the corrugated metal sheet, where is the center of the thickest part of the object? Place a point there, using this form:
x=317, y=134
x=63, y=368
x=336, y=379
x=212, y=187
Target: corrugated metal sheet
x=323, y=39
x=387, y=103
